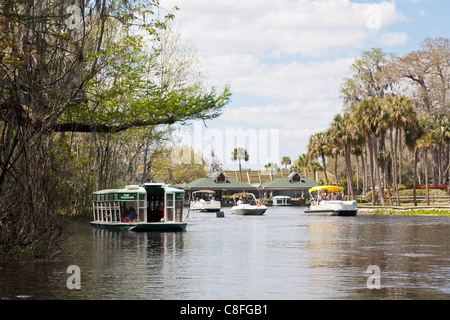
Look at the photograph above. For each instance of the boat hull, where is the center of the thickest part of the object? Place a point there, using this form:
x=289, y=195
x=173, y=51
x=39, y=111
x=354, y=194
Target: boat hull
x=205, y=207
x=141, y=227
x=328, y=212
x=205, y=210
x=334, y=208
x=248, y=211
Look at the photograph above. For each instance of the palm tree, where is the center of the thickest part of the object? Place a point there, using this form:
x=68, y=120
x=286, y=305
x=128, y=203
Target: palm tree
x=341, y=134
x=401, y=115
x=422, y=137
x=239, y=154
x=314, y=166
x=302, y=163
x=424, y=144
x=285, y=160
x=369, y=118
x=318, y=147
x=272, y=168
x=412, y=134
x=335, y=149
x=442, y=136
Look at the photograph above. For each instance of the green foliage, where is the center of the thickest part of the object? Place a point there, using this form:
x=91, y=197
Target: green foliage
x=414, y=212
x=85, y=108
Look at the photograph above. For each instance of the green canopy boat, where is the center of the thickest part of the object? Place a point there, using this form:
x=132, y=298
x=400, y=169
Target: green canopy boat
x=149, y=207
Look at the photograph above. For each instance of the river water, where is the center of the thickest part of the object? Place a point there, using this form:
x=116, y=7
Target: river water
x=282, y=255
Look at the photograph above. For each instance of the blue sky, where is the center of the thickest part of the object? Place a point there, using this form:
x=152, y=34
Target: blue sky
x=285, y=60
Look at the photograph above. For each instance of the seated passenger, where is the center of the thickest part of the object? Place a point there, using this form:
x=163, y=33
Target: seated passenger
x=111, y=216
x=131, y=216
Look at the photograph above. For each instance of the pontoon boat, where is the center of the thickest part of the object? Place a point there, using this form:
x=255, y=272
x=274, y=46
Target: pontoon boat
x=327, y=202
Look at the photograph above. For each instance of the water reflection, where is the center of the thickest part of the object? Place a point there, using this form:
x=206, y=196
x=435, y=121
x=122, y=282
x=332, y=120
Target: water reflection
x=412, y=253
x=282, y=255
x=132, y=265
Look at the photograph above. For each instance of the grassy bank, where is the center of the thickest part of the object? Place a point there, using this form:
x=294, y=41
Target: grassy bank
x=414, y=212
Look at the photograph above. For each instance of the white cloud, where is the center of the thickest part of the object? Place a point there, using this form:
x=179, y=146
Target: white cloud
x=294, y=80
x=390, y=39
x=295, y=53
x=288, y=116
x=295, y=121
x=304, y=27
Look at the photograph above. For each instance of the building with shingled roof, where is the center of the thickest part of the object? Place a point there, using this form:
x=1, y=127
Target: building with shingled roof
x=293, y=186
x=219, y=182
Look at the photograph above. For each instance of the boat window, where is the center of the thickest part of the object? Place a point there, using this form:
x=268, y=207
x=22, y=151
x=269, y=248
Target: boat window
x=141, y=214
x=179, y=207
x=169, y=206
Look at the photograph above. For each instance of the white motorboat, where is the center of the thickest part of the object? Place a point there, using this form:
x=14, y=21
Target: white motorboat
x=204, y=201
x=246, y=204
x=334, y=207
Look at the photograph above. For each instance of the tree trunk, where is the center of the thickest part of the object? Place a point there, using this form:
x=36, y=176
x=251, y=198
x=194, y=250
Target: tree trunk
x=325, y=168
x=394, y=165
x=372, y=169
x=240, y=170
x=349, y=170
x=335, y=168
x=377, y=169
x=416, y=154
x=399, y=153
x=426, y=176
x=363, y=165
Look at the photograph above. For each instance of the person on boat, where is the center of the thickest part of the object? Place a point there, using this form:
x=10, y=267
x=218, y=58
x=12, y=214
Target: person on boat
x=319, y=197
x=332, y=196
x=131, y=216
x=108, y=216
x=339, y=197
x=240, y=201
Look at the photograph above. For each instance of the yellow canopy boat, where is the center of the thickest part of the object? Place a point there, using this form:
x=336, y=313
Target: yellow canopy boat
x=331, y=207
x=329, y=188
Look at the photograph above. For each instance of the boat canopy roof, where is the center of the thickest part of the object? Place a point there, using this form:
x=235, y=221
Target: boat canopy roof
x=329, y=188
x=138, y=189
x=157, y=187
x=243, y=194
x=204, y=191
x=127, y=189
x=281, y=197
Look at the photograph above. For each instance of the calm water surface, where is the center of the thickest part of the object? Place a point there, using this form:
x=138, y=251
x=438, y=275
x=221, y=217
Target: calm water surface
x=281, y=255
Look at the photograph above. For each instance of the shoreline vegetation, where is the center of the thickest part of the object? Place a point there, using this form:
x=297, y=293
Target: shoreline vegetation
x=406, y=211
